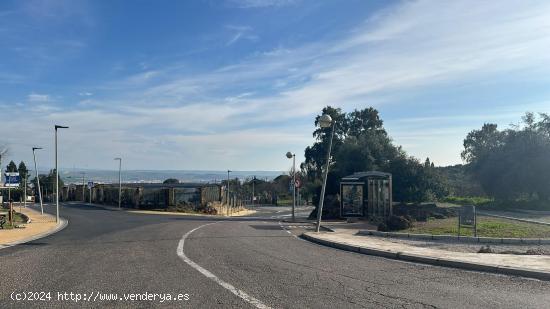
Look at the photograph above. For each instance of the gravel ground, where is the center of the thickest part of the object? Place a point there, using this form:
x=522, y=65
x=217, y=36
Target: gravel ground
x=469, y=247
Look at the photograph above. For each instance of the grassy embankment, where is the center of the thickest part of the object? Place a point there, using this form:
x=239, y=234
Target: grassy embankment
x=486, y=227
x=491, y=204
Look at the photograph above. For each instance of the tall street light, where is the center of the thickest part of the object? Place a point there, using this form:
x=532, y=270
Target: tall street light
x=83, y=197
x=119, y=182
x=253, y=193
x=38, y=179
x=325, y=122
x=292, y=156
x=228, y=171
x=57, y=175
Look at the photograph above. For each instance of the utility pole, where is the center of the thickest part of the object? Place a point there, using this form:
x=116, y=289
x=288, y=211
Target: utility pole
x=38, y=179
x=57, y=175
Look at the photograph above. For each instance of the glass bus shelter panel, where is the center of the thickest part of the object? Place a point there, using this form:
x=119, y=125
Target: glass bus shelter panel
x=370, y=202
x=352, y=200
x=386, y=197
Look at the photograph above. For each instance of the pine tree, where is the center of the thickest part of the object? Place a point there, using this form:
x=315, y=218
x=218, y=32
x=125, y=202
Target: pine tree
x=12, y=167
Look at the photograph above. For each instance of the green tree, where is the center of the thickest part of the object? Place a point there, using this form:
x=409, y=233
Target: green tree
x=23, y=171
x=11, y=167
x=171, y=181
x=513, y=163
x=362, y=144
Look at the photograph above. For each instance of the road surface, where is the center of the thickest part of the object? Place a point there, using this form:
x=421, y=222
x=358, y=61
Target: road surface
x=231, y=263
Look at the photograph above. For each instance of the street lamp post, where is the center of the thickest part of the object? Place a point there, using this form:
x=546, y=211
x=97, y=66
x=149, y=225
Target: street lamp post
x=293, y=156
x=325, y=122
x=253, y=193
x=83, y=194
x=38, y=179
x=25, y=193
x=228, y=171
x=57, y=175
x=119, y=182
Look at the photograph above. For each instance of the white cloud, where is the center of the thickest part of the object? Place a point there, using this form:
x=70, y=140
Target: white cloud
x=259, y=3
x=35, y=97
x=412, y=46
x=240, y=32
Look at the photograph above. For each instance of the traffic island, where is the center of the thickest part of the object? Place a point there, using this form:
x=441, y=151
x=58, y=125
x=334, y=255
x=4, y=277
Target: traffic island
x=532, y=266
x=36, y=226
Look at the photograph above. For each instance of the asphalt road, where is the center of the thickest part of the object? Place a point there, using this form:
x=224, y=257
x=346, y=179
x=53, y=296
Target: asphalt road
x=237, y=263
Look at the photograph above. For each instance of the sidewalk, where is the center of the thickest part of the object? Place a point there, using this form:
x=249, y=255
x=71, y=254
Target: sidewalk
x=534, y=266
x=39, y=226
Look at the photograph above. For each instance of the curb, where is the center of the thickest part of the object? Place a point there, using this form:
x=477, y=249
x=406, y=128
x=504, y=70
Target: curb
x=514, y=271
x=470, y=239
x=60, y=226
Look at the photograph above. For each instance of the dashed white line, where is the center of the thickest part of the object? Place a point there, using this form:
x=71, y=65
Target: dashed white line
x=239, y=293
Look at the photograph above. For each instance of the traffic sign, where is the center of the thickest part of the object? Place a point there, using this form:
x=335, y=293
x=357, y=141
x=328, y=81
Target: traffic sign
x=90, y=184
x=12, y=179
x=298, y=183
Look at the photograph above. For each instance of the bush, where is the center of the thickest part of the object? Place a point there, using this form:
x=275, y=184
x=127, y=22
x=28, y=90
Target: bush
x=396, y=223
x=382, y=227
x=485, y=249
x=438, y=215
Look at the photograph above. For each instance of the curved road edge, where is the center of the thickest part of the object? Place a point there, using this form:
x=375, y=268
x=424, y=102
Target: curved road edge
x=60, y=226
x=515, y=271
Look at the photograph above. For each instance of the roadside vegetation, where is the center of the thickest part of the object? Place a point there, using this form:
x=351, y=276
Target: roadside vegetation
x=486, y=227
x=18, y=219
x=505, y=169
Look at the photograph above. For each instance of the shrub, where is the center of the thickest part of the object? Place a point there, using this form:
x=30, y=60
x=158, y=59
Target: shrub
x=396, y=223
x=382, y=227
x=485, y=249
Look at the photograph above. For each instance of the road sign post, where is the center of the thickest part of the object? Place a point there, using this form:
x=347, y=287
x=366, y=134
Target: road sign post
x=467, y=216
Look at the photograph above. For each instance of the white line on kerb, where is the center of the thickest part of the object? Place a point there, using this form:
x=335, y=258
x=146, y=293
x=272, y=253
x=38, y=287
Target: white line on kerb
x=239, y=293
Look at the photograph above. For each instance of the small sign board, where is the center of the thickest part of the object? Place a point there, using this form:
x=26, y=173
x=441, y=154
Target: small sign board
x=298, y=183
x=12, y=179
x=90, y=184
x=468, y=215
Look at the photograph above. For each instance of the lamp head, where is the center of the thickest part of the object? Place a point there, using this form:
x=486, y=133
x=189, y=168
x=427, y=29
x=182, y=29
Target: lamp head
x=36, y=148
x=60, y=127
x=325, y=121
x=289, y=155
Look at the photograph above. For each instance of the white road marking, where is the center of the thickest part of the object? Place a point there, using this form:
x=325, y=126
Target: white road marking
x=239, y=293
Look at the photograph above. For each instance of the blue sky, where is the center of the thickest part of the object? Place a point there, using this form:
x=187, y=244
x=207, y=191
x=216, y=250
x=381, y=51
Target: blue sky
x=212, y=85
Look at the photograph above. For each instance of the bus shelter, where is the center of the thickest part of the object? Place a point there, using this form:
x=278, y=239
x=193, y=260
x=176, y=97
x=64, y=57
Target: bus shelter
x=366, y=194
